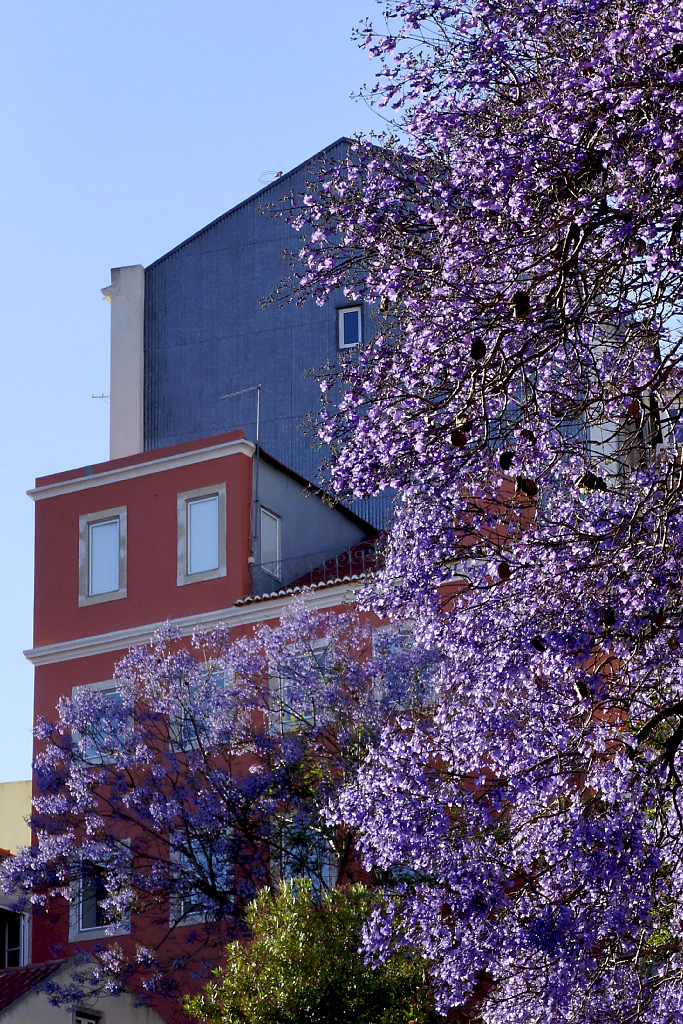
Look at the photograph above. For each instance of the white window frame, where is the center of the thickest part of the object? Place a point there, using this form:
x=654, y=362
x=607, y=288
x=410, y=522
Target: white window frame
x=87, y=1017
x=175, y=727
x=85, y=522
x=183, y=502
x=107, y=686
x=328, y=877
x=177, y=917
x=276, y=570
x=78, y=933
x=284, y=723
x=341, y=310
x=405, y=628
x=24, y=930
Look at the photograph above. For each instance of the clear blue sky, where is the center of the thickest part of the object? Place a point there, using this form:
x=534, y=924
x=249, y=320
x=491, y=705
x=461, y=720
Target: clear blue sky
x=127, y=127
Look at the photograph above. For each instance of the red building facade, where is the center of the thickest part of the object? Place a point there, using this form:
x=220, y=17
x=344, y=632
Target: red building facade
x=199, y=533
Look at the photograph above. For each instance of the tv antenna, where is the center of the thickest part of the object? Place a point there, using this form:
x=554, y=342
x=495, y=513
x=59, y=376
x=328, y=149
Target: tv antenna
x=245, y=391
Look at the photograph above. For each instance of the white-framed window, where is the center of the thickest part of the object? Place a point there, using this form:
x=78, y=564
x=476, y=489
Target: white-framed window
x=87, y=1017
x=187, y=729
x=89, y=918
x=413, y=686
x=672, y=423
x=292, y=697
x=201, y=534
x=92, y=891
x=189, y=903
x=13, y=938
x=349, y=326
x=102, y=556
x=103, y=738
x=270, y=543
x=300, y=851
x=15, y=931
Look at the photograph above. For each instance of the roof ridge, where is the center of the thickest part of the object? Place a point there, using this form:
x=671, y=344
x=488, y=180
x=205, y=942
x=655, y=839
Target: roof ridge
x=233, y=209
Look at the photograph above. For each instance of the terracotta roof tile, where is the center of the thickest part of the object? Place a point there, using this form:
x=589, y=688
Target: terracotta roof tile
x=17, y=981
x=301, y=589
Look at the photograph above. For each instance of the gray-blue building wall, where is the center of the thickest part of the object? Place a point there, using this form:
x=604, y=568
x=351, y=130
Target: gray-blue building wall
x=311, y=531
x=207, y=335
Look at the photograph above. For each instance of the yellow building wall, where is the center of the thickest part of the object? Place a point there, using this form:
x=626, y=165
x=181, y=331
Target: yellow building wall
x=15, y=807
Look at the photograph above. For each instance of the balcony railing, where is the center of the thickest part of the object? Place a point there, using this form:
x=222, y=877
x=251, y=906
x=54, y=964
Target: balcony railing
x=316, y=567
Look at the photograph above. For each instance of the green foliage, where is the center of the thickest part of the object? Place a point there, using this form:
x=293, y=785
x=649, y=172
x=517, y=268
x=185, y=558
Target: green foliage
x=302, y=966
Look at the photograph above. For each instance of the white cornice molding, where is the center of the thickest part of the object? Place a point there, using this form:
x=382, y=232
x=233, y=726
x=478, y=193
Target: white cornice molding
x=112, y=476
x=237, y=615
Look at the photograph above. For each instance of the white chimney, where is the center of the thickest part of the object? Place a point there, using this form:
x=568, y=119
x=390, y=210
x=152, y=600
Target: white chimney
x=126, y=293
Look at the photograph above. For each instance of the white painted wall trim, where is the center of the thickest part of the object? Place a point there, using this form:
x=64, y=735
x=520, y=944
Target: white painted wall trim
x=126, y=294
x=113, y=476
x=237, y=615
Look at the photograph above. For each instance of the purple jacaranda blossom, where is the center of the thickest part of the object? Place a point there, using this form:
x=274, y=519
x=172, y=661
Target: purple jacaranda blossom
x=203, y=776
x=516, y=236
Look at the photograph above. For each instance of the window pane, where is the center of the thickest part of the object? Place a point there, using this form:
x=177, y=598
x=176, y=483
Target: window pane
x=103, y=557
x=270, y=543
x=293, y=703
x=304, y=853
x=202, y=534
x=350, y=326
x=10, y=939
x=186, y=728
x=104, y=735
x=192, y=902
x=93, y=891
x=201, y=861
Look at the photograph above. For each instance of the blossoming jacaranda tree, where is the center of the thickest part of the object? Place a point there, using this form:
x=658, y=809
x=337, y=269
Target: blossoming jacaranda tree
x=161, y=810
x=518, y=238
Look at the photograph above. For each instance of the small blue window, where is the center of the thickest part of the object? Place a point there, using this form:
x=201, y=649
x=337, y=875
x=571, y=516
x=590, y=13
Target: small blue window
x=349, y=327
